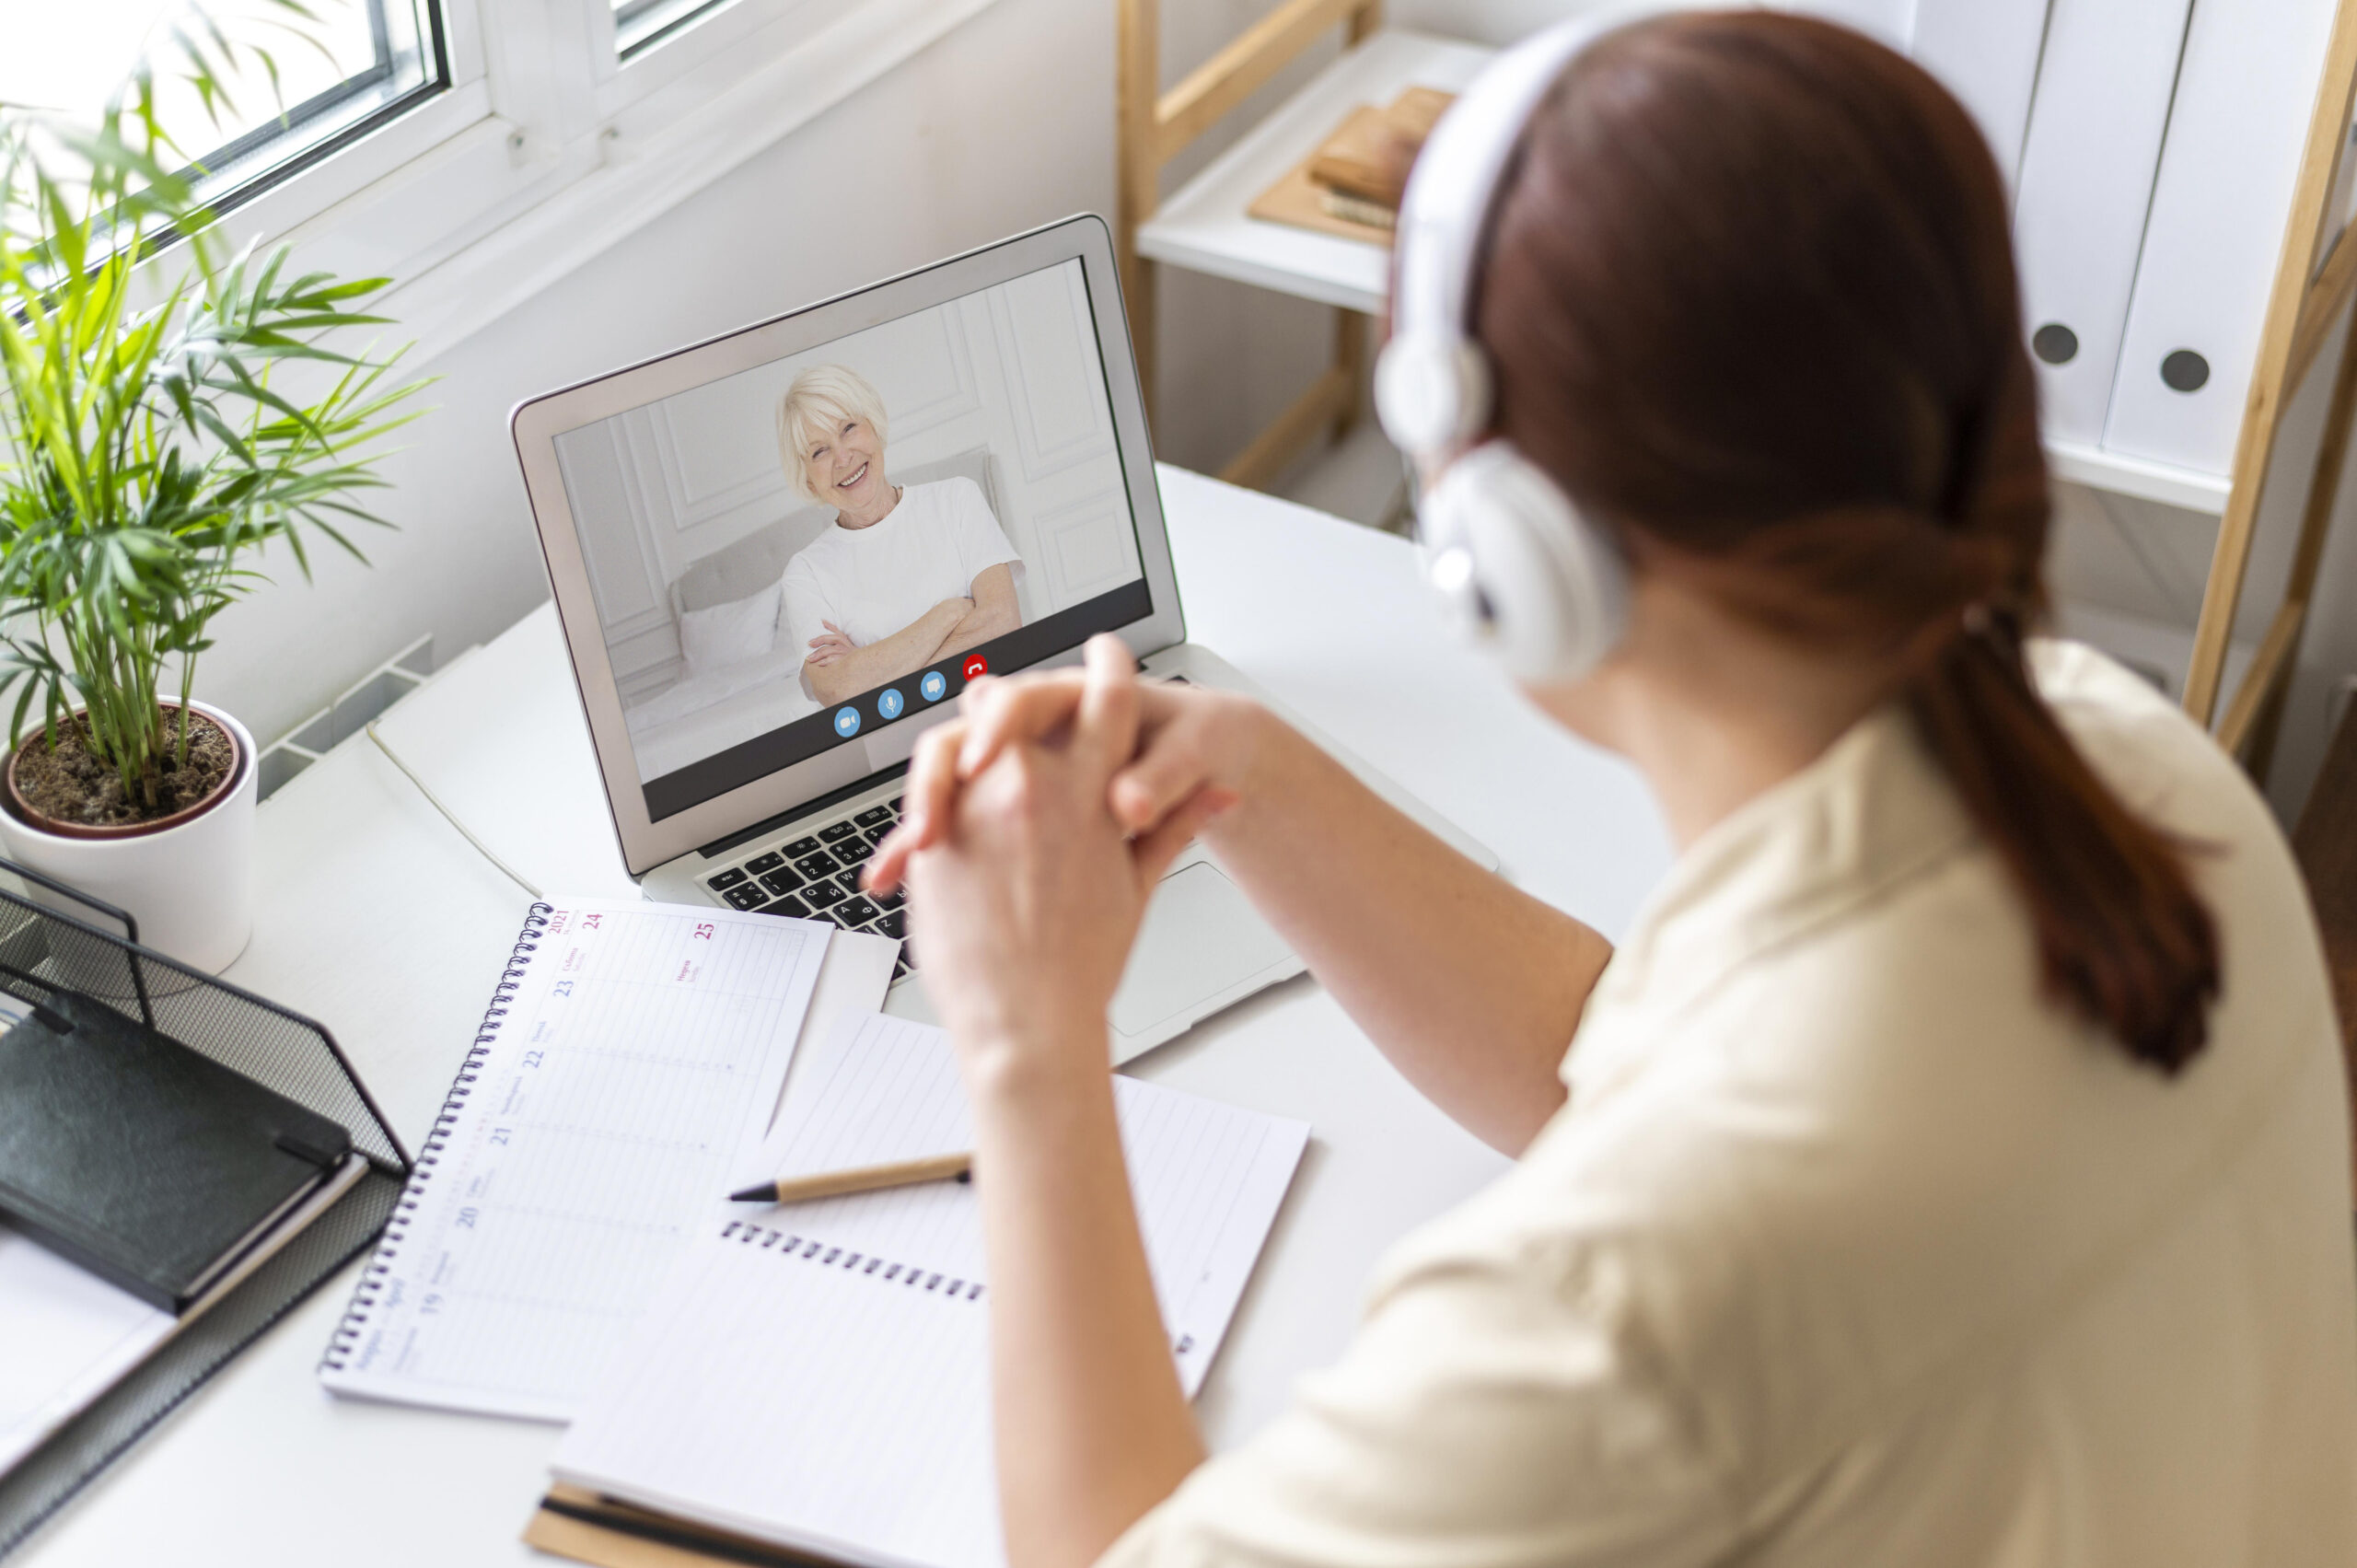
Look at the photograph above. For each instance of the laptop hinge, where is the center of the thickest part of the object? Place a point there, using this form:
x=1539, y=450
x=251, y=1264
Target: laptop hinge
x=771, y=824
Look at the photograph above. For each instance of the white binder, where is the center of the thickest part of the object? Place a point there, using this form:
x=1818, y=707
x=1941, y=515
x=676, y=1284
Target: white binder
x=1986, y=52
x=2245, y=93
x=2086, y=184
x=1886, y=21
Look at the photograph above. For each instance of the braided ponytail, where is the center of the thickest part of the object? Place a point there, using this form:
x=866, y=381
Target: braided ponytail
x=1750, y=294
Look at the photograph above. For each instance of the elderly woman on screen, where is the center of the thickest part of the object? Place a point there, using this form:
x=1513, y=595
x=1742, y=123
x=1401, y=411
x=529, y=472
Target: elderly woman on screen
x=908, y=574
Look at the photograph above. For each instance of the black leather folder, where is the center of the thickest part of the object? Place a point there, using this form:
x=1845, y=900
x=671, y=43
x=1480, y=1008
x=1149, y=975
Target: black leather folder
x=142, y=1160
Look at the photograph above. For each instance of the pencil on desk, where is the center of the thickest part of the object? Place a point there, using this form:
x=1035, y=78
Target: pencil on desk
x=863, y=1178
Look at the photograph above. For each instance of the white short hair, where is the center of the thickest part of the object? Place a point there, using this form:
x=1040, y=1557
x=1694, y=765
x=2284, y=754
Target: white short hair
x=820, y=400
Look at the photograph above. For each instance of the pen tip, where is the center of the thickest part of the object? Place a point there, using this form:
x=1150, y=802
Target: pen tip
x=762, y=1194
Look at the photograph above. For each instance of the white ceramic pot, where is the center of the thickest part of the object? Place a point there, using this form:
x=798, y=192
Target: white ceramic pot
x=190, y=887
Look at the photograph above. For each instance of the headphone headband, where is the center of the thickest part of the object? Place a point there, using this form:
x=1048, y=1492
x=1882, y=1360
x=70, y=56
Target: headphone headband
x=1520, y=568
x=1433, y=391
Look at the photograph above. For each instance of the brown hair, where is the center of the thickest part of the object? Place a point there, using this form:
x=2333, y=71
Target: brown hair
x=1750, y=298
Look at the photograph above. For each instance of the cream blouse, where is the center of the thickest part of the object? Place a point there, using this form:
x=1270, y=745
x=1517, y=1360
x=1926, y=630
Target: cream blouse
x=1849, y=1248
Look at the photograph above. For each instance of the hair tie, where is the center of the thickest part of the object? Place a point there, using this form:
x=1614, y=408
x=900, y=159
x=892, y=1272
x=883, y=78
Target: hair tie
x=1998, y=615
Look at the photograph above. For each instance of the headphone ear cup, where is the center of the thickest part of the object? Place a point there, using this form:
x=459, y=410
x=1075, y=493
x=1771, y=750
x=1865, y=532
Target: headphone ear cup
x=1528, y=576
x=1431, y=393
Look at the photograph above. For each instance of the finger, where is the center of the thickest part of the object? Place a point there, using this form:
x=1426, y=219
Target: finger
x=1018, y=712
x=1149, y=789
x=1153, y=852
x=1107, y=725
x=926, y=804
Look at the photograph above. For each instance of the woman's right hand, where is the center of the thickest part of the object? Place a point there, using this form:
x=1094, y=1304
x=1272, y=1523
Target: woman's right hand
x=1195, y=746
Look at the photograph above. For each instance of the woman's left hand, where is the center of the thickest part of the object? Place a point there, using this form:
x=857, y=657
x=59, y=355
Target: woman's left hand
x=830, y=644
x=1025, y=910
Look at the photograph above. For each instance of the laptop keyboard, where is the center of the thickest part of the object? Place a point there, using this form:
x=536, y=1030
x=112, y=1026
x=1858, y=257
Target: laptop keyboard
x=816, y=877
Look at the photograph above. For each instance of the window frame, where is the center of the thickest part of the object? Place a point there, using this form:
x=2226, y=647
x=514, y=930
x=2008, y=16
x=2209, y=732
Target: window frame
x=543, y=148
x=255, y=142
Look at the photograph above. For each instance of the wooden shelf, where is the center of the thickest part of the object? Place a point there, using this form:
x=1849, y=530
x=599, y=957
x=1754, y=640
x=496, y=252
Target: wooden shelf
x=1204, y=227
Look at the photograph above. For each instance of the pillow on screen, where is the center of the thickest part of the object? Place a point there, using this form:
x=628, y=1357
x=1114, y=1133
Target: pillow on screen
x=729, y=634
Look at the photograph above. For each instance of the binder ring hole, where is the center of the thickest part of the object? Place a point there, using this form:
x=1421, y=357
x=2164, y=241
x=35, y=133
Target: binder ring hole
x=2185, y=371
x=2055, y=343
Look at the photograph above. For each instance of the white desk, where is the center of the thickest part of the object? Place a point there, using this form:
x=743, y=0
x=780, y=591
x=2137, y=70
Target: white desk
x=376, y=918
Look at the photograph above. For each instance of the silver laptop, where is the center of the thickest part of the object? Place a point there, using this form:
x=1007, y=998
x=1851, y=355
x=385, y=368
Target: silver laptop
x=756, y=674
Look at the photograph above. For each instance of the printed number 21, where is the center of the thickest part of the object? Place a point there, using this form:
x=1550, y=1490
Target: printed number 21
x=703, y=931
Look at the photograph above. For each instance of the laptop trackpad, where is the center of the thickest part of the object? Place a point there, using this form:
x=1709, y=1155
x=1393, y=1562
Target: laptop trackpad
x=1201, y=937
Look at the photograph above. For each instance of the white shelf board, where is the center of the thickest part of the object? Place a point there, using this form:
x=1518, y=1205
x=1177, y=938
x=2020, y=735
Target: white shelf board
x=2194, y=489
x=1204, y=227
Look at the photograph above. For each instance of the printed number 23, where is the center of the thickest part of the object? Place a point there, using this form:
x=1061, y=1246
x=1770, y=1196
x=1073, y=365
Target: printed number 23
x=703, y=931
x=564, y=988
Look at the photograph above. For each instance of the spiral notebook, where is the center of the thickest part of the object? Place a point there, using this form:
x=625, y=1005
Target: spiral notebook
x=632, y=1056
x=819, y=1380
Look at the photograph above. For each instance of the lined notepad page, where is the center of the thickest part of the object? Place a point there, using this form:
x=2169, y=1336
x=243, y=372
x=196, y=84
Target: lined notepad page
x=820, y=1378
x=634, y=1054
x=877, y=1089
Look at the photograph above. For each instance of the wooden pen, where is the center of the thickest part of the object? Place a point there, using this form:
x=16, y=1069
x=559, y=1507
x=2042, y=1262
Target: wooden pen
x=863, y=1178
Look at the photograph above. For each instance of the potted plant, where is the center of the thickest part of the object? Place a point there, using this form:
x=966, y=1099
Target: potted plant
x=167, y=411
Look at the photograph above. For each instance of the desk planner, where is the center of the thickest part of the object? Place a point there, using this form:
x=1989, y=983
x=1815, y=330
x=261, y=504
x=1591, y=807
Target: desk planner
x=264, y=1466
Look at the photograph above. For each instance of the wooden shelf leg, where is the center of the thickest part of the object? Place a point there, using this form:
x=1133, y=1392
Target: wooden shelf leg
x=1350, y=359
x=1137, y=172
x=1290, y=434
x=2266, y=708
x=2274, y=380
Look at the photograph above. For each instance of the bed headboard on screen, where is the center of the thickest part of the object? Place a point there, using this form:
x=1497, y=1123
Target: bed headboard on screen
x=753, y=562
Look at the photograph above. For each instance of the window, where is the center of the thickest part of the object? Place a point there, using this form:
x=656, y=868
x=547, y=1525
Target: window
x=355, y=64
x=642, y=24
x=473, y=151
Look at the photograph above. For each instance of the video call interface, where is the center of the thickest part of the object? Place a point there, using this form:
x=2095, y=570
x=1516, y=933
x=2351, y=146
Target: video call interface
x=798, y=556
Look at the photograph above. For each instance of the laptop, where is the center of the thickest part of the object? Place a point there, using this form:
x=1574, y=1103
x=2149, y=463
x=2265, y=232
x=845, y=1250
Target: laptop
x=758, y=649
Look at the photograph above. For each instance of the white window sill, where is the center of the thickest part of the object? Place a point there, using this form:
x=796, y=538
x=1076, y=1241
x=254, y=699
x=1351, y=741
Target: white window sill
x=472, y=213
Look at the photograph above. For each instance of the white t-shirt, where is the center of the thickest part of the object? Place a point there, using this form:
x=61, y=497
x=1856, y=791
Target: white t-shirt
x=871, y=582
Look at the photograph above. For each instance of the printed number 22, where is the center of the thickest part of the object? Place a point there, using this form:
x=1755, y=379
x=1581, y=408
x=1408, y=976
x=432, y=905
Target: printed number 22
x=703, y=931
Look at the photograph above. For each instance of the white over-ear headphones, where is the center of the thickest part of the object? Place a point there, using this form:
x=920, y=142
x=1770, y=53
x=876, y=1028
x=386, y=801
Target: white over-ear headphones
x=1523, y=571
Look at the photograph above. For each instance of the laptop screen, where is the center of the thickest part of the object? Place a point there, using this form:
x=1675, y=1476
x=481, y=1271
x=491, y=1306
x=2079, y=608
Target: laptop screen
x=792, y=557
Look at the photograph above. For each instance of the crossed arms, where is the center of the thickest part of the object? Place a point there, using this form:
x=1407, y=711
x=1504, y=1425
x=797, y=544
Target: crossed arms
x=836, y=670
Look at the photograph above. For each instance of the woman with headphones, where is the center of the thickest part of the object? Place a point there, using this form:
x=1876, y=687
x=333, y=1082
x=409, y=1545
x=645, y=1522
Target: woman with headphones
x=1951, y=1166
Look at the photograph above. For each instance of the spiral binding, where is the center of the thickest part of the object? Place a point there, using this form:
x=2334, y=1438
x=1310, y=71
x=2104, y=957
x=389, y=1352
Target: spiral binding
x=839, y=1256
x=373, y=1278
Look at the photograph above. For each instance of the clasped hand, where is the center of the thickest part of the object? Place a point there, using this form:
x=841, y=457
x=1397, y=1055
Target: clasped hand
x=1032, y=830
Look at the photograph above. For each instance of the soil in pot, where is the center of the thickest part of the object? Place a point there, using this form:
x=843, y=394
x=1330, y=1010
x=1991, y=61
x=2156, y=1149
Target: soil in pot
x=69, y=786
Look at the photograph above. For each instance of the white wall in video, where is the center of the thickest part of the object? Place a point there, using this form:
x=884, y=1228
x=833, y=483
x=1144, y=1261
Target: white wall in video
x=734, y=599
